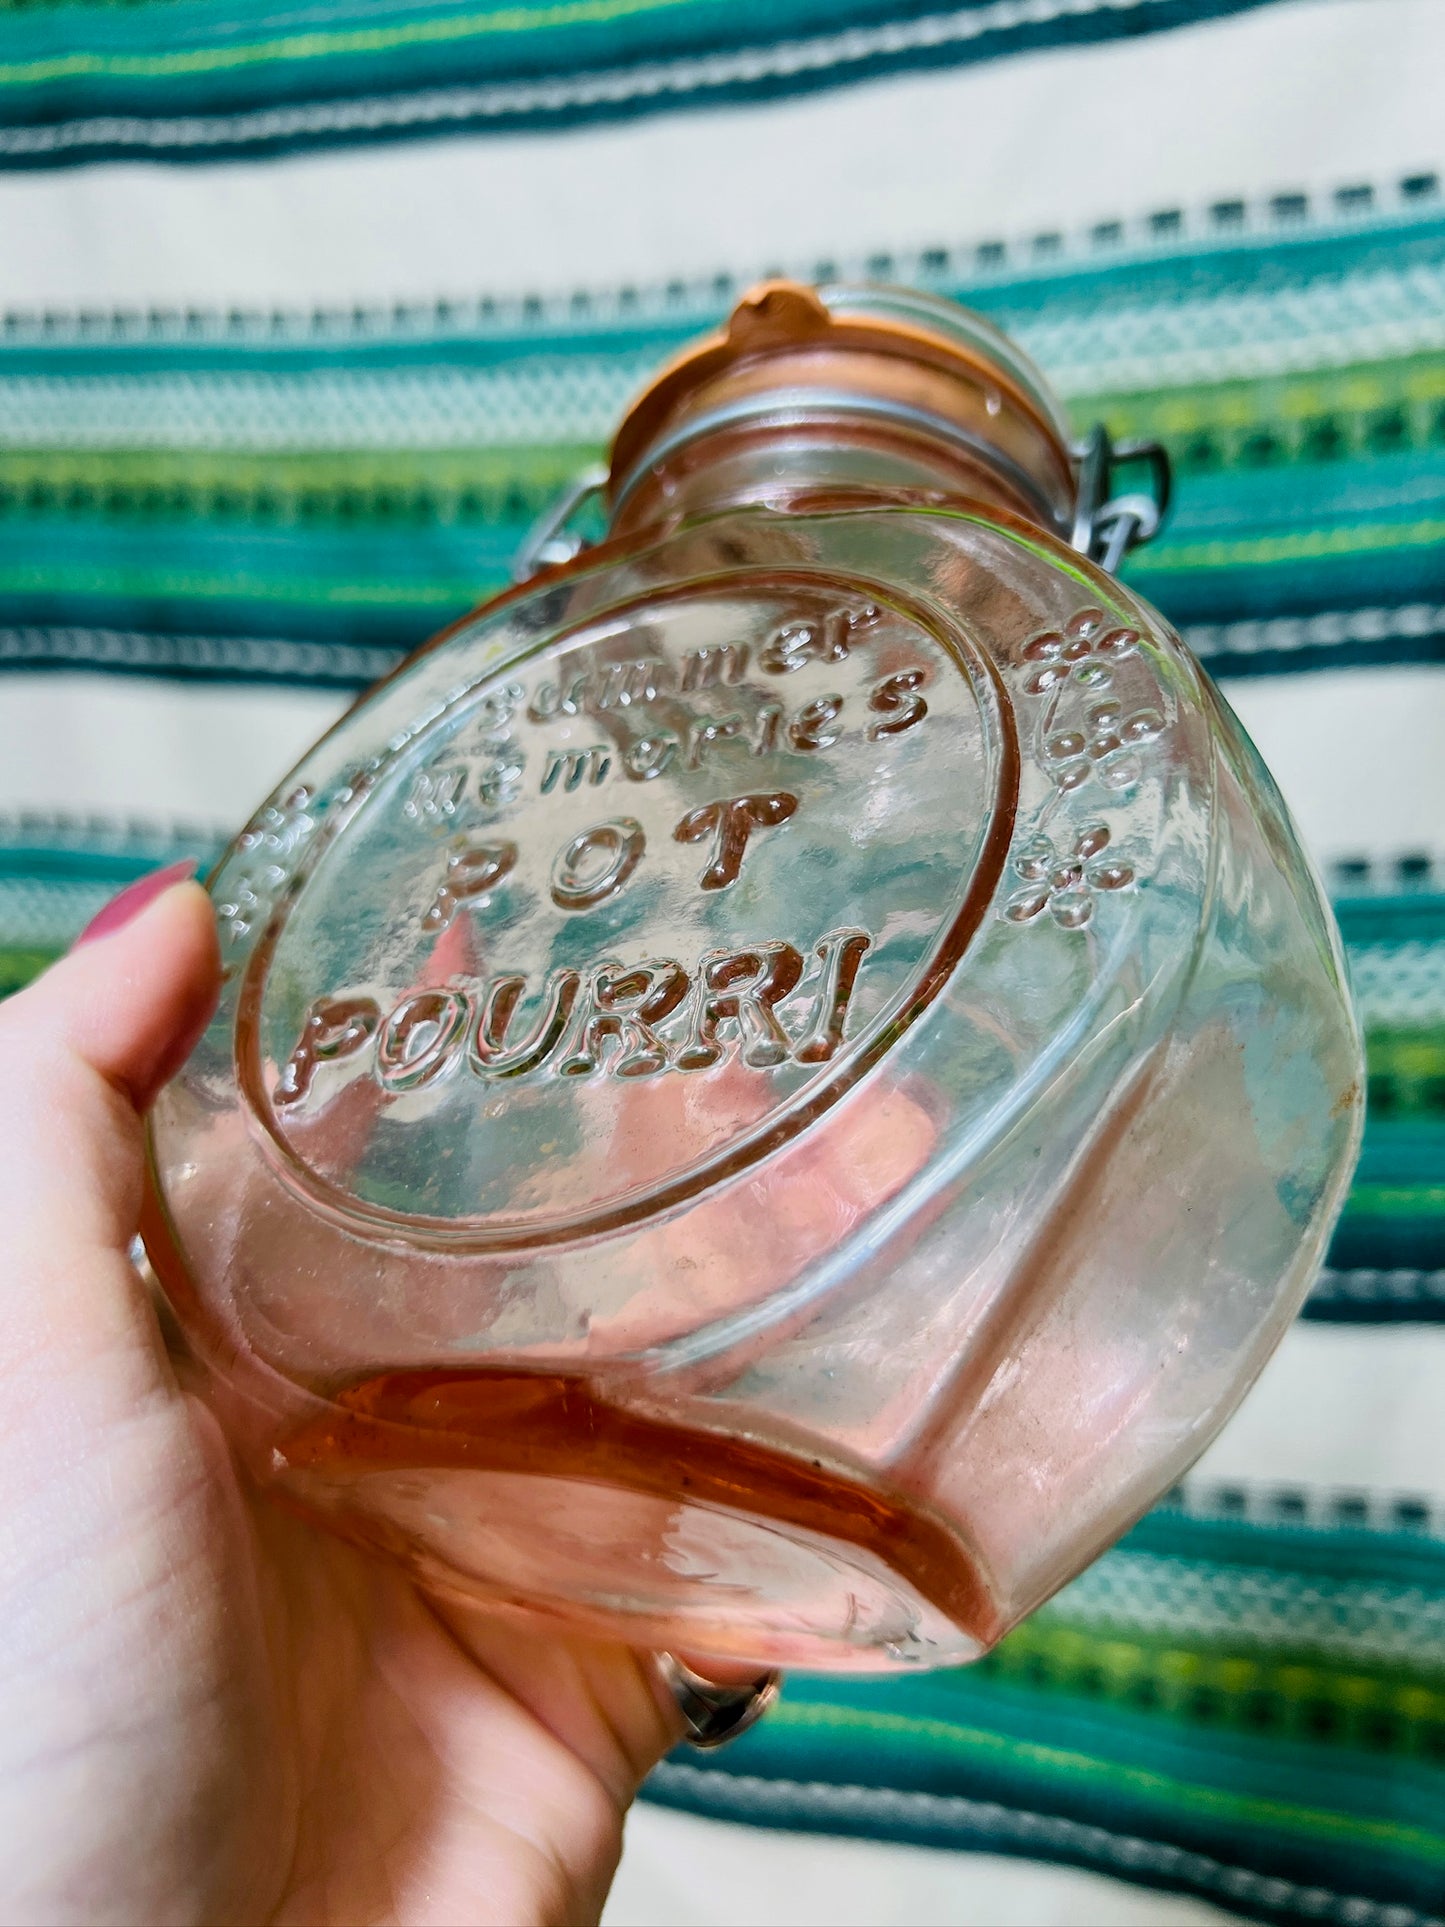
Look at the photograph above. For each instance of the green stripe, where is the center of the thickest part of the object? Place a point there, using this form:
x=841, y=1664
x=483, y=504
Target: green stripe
x=186, y=485
x=1407, y=1070
x=21, y=966
x=1388, y=1200
x=1328, y=415
x=1289, y=1691
x=1302, y=545
x=86, y=64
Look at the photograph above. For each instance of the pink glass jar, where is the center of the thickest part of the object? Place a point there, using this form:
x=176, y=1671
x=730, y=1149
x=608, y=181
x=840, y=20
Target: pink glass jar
x=777, y=1083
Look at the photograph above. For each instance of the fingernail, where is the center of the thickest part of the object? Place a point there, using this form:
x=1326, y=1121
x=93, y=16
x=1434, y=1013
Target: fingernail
x=129, y=903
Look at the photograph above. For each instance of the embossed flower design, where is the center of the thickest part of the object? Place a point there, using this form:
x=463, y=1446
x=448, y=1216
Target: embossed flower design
x=270, y=842
x=1103, y=744
x=1083, y=651
x=279, y=828
x=1065, y=886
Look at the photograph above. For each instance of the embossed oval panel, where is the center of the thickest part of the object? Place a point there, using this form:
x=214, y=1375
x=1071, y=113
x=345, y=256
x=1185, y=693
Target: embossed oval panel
x=626, y=916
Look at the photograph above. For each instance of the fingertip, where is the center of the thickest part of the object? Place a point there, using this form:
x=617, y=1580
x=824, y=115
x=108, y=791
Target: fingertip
x=132, y=1000
x=128, y=903
x=182, y=919
x=170, y=968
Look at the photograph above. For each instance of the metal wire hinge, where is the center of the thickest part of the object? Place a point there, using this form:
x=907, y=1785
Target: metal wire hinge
x=1106, y=526
x=551, y=538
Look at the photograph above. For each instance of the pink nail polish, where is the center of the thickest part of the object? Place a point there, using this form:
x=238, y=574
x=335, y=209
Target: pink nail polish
x=133, y=899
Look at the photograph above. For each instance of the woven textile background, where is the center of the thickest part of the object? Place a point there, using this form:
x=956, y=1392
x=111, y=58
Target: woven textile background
x=188, y=79
x=220, y=515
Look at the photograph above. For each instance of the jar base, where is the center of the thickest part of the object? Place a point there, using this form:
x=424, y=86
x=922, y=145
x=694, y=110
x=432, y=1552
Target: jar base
x=526, y=1492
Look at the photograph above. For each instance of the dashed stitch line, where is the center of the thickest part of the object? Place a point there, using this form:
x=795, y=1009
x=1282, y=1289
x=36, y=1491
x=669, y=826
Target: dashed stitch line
x=1157, y=231
x=99, y=832
x=1310, y=1508
x=1415, y=872
x=97, y=835
x=987, y=1822
x=1332, y=629
x=1365, y=1287
x=344, y=663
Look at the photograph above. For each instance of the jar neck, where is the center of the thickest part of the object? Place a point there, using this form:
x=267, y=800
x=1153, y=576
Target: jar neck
x=781, y=449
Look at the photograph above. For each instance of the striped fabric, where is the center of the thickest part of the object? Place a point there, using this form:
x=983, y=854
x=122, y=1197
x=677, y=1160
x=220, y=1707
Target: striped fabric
x=224, y=508
x=1245, y=1700
x=303, y=496
x=190, y=79
x=1388, y=1256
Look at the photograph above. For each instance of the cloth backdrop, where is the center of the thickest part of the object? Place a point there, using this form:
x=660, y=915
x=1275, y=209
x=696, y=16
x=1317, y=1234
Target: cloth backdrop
x=266, y=423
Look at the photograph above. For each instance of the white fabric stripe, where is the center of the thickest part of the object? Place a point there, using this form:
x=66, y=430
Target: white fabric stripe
x=1387, y=205
x=128, y=746
x=1337, y=1407
x=1006, y=148
x=677, y=1868
x=1355, y=751
x=1356, y=754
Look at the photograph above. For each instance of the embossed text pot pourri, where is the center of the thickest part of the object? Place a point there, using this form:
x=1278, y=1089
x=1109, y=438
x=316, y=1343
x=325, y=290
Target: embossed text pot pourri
x=776, y=1084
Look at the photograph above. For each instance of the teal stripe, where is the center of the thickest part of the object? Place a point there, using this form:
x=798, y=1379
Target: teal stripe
x=1345, y=295
x=193, y=77
x=1290, y=1809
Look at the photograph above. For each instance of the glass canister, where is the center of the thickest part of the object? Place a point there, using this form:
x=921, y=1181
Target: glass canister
x=777, y=1083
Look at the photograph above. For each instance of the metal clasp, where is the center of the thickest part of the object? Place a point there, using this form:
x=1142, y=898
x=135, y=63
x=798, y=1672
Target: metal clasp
x=1107, y=526
x=551, y=538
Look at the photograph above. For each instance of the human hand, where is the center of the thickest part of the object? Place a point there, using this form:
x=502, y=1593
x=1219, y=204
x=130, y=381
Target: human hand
x=208, y=1711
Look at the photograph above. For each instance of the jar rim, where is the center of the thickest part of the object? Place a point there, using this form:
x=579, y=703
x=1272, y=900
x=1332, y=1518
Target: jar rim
x=887, y=344
x=966, y=327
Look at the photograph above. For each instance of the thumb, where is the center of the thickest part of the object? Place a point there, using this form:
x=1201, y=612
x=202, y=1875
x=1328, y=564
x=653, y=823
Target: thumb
x=82, y=1052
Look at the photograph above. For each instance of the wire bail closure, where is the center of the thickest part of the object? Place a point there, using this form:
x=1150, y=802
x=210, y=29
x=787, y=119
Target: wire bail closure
x=551, y=538
x=1106, y=526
